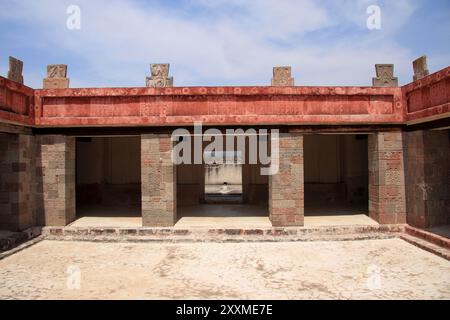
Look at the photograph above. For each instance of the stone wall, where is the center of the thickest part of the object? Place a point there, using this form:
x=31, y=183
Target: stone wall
x=286, y=190
x=427, y=161
x=16, y=181
x=158, y=179
x=386, y=177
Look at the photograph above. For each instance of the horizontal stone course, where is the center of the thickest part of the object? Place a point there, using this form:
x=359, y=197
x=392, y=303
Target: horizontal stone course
x=328, y=233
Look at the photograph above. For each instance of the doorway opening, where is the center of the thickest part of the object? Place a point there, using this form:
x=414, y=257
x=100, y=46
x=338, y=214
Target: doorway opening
x=228, y=193
x=108, y=181
x=336, y=179
x=223, y=181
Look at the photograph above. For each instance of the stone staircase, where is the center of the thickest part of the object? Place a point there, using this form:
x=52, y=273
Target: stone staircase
x=325, y=233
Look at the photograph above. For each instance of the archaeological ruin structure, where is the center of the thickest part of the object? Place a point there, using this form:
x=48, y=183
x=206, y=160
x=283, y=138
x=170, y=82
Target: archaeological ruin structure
x=382, y=150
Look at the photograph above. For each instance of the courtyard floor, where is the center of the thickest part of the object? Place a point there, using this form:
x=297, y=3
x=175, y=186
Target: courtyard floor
x=362, y=269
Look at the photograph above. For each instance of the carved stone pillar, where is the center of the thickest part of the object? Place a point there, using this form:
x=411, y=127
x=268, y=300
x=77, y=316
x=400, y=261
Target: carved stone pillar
x=420, y=68
x=286, y=188
x=56, y=77
x=385, y=76
x=15, y=70
x=159, y=181
x=387, y=202
x=159, y=76
x=282, y=77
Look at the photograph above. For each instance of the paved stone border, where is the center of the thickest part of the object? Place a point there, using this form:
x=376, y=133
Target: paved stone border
x=9, y=240
x=24, y=245
x=426, y=245
x=223, y=235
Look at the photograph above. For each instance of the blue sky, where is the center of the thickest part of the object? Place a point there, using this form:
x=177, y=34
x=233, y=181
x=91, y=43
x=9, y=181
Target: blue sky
x=223, y=42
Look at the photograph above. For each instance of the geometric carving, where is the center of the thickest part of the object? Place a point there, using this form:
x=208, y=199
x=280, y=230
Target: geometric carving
x=56, y=77
x=159, y=76
x=282, y=77
x=57, y=71
x=385, y=76
x=420, y=68
x=15, y=70
x=159, y=70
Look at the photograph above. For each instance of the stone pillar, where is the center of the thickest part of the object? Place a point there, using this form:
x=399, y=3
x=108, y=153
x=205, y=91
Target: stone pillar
x=15, y=70
x=386, y=177
x=385, y=76
x=158, y=179
x=427, y=159
x=56, y=77
x=286, y=188
x=420, y=68
x=16, y=181
x=159, y=76
x=56, y=170
x=282, y=77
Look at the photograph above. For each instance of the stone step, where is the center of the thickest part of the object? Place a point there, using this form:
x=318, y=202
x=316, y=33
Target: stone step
x=428, y=236
x=325, y=233
x=426, y=245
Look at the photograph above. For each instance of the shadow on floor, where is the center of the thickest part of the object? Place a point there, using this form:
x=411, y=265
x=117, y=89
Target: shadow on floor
x=108, y=211
x=334, y=209
x=223, y=210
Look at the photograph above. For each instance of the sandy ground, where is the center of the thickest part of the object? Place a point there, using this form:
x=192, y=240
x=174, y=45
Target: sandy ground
x=364, y=269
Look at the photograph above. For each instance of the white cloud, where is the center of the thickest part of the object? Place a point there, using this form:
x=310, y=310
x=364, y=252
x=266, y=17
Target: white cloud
x=222, y=42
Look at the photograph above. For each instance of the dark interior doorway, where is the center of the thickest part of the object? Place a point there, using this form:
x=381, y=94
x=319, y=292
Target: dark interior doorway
x=108, y=176
x=336, y=174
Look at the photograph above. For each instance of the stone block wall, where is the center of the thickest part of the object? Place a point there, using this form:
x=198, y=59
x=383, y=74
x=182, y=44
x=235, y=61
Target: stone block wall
x=55, y=173
x=158, y=180
x=286, y=188
x=387, y=202
x=16, y=181
x=427, y=161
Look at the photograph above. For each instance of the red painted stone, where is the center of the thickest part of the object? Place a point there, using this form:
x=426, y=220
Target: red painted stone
x=143, y=106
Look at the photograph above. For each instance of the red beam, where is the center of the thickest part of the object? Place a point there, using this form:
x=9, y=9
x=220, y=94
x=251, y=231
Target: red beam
x=218, y=105
x=426, y=99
